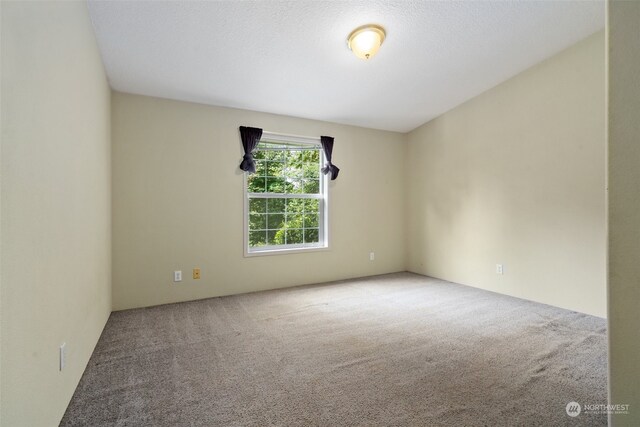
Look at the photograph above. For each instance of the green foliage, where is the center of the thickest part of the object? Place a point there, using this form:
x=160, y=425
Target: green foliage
x=286, y=219
x=286, y=171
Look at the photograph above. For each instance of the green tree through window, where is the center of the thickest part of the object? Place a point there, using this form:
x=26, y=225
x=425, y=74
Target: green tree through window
x=285, y=197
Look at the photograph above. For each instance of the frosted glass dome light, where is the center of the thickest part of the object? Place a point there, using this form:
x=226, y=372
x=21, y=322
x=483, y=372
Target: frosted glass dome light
x=365, y=41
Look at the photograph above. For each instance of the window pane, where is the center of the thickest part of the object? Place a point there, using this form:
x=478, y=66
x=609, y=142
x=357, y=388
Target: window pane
x=257, y=205
x=310, y=220
x=294, y=221
x=255, y=184
x=296, y=186
x=261, y=169
x=311, y=235
x=275, y=185
x=274, y=168
x=273, y=238
x=257, y=238
x=294, y=237
x=274, y=155
x=295, y=205
x=294, y=169
x=311, y=205
x=289, y=186
x=311, y=186
x=275, y=221
x=311, y=170
x=276, y=205
x=257, y=222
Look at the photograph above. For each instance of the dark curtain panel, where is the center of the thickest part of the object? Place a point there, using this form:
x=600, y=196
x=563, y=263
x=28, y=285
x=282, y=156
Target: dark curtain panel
x=327, y=147
x=250, y=138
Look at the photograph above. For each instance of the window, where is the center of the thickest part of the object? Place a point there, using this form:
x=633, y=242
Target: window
x=286, y=199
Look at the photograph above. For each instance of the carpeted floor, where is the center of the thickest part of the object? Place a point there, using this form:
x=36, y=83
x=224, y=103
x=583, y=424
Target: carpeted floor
x=393, y=350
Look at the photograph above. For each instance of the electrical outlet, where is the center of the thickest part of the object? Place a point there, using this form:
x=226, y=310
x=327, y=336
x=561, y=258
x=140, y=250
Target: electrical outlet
x=196, y=273
x=499, y=269
x=372, y=256
x=63, y=355
x=177, y=276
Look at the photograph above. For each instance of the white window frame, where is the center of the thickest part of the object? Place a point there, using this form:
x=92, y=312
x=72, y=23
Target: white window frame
x=322, y=197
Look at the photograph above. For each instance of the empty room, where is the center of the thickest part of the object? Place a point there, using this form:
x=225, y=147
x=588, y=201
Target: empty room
x=319, y=213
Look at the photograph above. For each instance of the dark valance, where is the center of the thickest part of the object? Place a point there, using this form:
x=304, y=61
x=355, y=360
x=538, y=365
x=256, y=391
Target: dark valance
x=250, y=138
x=327, y=147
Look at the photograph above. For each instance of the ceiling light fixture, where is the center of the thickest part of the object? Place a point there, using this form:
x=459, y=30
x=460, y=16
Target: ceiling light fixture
x=365, y=41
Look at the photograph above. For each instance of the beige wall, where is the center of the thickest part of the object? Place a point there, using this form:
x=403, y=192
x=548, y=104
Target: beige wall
x=178, y=203
x=516, y=176
x=624, y=207
x=55, y=218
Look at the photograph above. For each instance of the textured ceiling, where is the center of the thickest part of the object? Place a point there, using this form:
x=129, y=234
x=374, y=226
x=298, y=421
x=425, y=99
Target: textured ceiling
x=290, y=57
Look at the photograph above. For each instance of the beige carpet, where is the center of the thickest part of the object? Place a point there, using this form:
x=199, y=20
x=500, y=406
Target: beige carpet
x=393, y=350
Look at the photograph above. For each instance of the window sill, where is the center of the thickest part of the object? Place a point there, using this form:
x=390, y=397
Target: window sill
x=285, y=251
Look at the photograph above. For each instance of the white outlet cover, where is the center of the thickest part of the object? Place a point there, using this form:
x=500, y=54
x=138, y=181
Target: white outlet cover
x=177, y=276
